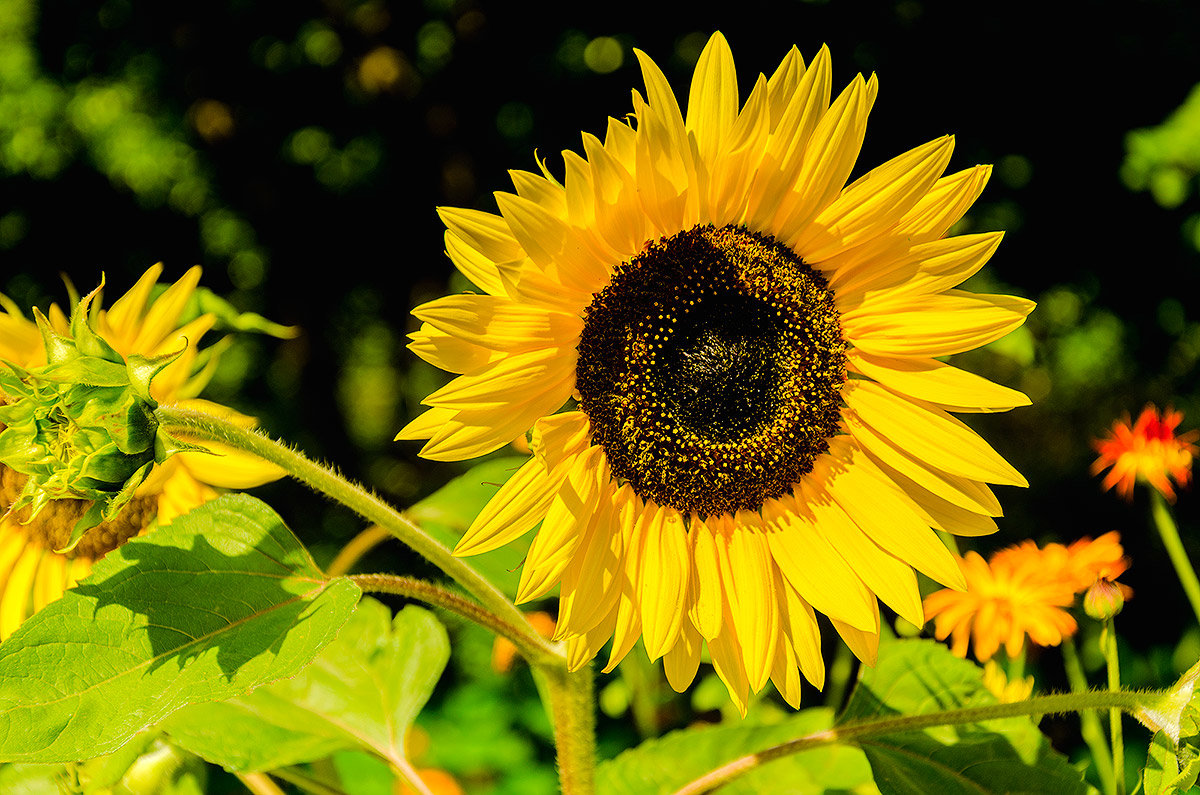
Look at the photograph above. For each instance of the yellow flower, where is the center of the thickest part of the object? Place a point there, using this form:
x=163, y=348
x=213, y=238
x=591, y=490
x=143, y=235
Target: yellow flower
x=1006, y=692
x=1147, y=450
x=32, y=574
x=1014, y=595
x=727, y=360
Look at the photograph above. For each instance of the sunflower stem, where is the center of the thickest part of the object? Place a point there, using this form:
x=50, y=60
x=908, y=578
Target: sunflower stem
x=440, y=597
x=1169, y=532
x=573, y=710
x=1122, y=700
x=206, y=427
x=1108, y=641
x=1089, y=722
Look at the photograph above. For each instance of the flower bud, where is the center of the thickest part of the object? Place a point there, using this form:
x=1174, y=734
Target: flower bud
x=1103, y=600
x=83, y=426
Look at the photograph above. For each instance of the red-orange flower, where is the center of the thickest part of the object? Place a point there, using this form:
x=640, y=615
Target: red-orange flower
x=1148, y=450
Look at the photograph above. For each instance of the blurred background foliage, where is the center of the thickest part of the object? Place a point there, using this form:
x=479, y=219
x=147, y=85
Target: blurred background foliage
x=298, y=150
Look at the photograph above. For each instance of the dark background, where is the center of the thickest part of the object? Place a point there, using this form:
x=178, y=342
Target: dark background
x=298, y=150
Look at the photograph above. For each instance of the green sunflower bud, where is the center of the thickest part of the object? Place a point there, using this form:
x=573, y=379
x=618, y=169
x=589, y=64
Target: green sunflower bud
x=83, y=426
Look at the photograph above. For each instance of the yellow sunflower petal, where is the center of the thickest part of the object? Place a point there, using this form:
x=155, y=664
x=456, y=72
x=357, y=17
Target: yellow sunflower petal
x=709, y=595
x=882, y=511
x=16, y=588
x=664, y=580
x=936, y=325
x=449, y=353
x=682, y=660
x=890, y=578
x=486, y=233
x=969, y=494
x=713, y=101
x=929, y=434
x=127, y=311
x=515, y=508
x=813, y=567
x=163, y=315
x=498, y=323
x=756, y=601
x=863, y=208
x=937, y=383
x=571, y=513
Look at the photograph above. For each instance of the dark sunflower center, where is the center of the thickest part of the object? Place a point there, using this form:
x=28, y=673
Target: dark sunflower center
x=711, y=369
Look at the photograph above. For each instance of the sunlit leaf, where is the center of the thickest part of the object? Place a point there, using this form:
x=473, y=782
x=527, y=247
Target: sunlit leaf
x=222, y=600
x=916, y=677
x=1169, y=769
x=666, y=764
x=364, y=690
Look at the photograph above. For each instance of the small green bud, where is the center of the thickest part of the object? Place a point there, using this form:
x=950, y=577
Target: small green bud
x=1103, y=599
x=83, y=426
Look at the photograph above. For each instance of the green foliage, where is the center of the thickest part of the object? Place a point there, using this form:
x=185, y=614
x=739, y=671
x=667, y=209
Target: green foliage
x=916, y=677
x=912, y=677
x=363, y=690
x=665, y=764
x=220, y=601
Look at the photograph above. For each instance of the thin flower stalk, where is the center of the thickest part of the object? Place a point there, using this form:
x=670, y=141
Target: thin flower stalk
x=1168, y=531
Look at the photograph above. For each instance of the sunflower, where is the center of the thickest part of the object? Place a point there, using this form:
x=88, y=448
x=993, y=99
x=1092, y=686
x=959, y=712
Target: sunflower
x=727, y=363
x=1017, y=593
x=32, y=574
x=1148, y=450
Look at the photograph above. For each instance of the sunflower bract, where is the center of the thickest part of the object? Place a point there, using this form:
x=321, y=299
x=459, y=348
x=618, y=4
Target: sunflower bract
x=761, y=426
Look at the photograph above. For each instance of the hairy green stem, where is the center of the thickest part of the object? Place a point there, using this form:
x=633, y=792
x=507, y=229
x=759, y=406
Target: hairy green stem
x=1108, y=641
x=1089, y=721
x=206, y=427
x=851, y=732
x=573, y=709
x=432, y=594
x=1169, y=532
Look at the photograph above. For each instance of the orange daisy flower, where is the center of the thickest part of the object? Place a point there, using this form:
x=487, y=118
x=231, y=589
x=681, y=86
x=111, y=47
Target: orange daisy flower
x=1014, y=595
x=1081, y=563
x=1148, y=450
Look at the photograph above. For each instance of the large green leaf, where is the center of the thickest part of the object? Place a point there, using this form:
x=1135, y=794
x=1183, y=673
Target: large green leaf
x=448, y=512
x=664, y=765
x=915, y=677
x=222, y=600
x=365, y=689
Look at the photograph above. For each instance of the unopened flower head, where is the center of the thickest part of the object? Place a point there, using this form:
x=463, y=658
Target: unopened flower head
x=729, y=364
x=1148, y=450
x=82, y=427
x=149, y=323
x=1103, y=599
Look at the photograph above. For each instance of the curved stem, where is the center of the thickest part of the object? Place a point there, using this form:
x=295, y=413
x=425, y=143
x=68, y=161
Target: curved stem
x=1169, y=532
x=355, y=548
x=850, y=732
x=206, y=427
x=432, y=594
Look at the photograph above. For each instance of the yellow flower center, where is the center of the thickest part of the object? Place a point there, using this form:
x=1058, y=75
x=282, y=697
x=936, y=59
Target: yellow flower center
x=711, y=369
